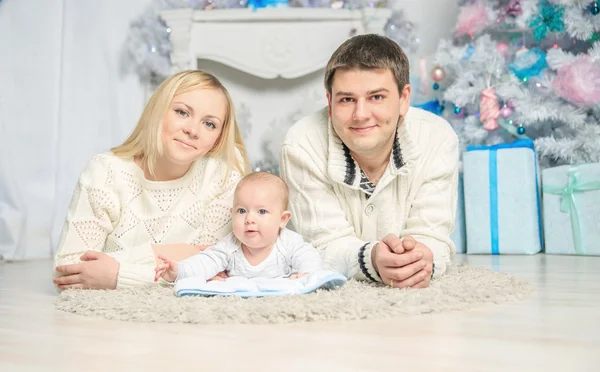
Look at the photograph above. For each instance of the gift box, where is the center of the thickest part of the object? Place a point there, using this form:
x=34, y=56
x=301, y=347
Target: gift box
x=458, y=235
x=502, y=199
x=571, y=196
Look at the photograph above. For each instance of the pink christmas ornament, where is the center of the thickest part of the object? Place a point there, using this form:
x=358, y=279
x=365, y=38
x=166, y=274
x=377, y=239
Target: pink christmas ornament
x=505, y=112
x=489, y=109
x=579, y=81
x=438, y=74
x=472, y=19
x=502, y=48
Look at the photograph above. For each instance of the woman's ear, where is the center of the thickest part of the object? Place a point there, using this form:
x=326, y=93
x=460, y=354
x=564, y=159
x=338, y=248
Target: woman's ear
x=285, y=217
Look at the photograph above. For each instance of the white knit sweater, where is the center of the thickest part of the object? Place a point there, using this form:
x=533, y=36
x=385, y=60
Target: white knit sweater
x=116, y=210
x=416, y=195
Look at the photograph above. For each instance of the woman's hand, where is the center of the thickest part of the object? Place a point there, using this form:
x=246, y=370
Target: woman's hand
x=97, y=271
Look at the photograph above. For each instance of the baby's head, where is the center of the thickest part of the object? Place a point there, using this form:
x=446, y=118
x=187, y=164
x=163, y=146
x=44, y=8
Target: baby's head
x=260, y=209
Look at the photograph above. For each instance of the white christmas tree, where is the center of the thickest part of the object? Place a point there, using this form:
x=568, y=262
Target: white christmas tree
x=524, y=68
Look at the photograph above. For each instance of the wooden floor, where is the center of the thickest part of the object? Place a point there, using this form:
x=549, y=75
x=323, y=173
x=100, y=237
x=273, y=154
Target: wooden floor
x=557, y=329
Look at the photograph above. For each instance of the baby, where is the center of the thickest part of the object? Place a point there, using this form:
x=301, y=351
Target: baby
x=259, y=246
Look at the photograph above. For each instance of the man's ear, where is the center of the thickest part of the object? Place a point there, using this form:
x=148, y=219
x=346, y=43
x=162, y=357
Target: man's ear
x=328, y=103
x=285, y=217
x=405, y=99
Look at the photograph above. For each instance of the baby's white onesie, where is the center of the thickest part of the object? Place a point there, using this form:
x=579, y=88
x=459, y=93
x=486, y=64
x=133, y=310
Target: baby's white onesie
x=290, y=255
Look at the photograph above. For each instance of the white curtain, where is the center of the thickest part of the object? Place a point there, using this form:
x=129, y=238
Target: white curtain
x=62, y=99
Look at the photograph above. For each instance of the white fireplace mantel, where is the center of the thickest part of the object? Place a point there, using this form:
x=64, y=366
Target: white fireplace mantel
x=267, y=43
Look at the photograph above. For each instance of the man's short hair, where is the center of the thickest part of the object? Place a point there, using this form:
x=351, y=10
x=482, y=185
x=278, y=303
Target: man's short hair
x=366, y=52
x=270, y=178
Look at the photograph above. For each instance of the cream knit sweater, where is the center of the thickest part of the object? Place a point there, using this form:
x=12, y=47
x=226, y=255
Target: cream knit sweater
x=116, y=210
x=416, y=195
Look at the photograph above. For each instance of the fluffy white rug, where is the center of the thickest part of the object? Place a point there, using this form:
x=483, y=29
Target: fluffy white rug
x=463, y=287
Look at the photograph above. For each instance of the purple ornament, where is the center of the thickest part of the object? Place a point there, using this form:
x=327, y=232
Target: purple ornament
x=513, y=8
x=438, y=74
x=506, y=111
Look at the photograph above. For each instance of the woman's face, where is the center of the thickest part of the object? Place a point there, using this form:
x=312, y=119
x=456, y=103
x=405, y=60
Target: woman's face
x=192, y=125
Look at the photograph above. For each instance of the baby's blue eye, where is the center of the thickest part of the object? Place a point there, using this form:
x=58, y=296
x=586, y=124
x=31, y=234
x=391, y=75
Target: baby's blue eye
x=241, y=211
x=262, y=211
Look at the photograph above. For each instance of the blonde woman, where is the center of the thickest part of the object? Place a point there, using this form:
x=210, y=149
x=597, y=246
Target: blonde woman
x=166, y=191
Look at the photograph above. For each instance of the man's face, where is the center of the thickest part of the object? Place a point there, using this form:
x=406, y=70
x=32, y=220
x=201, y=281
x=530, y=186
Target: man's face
x=365, y=106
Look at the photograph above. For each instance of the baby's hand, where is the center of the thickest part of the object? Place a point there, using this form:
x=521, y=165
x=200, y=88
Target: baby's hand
x=220, y=276
x=167, y=270
x=297, y=275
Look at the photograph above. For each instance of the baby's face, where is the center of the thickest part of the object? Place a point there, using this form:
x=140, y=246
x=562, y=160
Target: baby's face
x=258, y=215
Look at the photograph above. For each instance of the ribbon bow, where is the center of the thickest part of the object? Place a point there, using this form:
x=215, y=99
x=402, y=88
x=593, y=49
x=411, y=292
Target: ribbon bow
x=568, y=204
x=550, y=18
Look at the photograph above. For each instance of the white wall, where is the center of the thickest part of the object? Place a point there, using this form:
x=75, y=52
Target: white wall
x=62, y=99
x=435, y=20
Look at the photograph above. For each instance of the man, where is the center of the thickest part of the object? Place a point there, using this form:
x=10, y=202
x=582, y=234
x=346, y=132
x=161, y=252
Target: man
x=373, y=183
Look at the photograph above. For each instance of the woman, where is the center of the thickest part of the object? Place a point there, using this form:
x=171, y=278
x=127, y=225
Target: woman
x=166, y=191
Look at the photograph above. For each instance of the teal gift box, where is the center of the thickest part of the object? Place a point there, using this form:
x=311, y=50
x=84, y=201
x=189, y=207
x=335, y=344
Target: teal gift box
x=502, y=199
x=458, y=236
x=571, y=195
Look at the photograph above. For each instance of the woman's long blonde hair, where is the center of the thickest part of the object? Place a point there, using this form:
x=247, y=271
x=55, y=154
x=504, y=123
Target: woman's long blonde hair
x=145, y=142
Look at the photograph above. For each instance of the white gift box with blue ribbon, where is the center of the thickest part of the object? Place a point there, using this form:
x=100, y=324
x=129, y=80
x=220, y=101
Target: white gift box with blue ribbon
x=502, y=199
x=458, y=235
x=572, y=209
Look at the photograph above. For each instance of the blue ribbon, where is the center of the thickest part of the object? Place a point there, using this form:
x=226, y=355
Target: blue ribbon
x=493, y=179
x=493, y=174
x=568, y=203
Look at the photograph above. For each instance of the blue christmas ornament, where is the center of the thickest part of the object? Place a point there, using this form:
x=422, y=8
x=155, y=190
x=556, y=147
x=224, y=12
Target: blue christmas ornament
x=594, y=8
x=431, y=106
x=528, y=63
x=468, y=52
x=255, y=4
x=457, y=110
x=521, y=130
x=436, y=86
